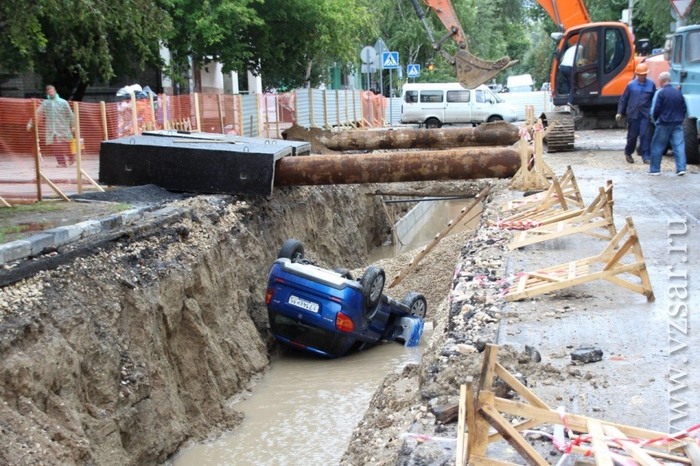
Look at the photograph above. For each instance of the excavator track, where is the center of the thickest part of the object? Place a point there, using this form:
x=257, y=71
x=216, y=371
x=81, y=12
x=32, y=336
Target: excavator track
x=561, y=138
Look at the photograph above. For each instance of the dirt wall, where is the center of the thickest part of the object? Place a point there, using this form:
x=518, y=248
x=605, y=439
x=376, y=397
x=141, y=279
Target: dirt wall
x=137, y=345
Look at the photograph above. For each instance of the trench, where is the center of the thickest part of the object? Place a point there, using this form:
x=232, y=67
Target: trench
x=304, y=409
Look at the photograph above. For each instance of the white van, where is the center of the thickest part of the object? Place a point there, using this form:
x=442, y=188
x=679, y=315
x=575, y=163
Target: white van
x=520, y=83
x=440, y=104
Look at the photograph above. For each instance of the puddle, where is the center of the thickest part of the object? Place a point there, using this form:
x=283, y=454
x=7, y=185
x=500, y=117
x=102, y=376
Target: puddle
x=424, y=222
x=304, y=410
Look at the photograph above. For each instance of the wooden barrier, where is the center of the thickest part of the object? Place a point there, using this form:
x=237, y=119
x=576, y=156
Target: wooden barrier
x=604, y=441
x=567, y=186
x=583, y=270
x=599, y=214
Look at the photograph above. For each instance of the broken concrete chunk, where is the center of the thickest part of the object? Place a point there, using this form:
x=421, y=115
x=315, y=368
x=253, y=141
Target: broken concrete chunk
x=586, y=355
x=533, y=353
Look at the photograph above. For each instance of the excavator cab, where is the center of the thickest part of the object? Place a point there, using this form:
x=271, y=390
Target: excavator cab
x=603, y=65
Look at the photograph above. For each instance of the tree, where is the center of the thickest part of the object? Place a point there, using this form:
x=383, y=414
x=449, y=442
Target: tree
x=300, y=39
x=211, y=30
x=72, y=43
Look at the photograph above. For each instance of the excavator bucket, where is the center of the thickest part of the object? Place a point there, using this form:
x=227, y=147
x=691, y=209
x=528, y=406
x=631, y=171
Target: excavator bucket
x=473, y=71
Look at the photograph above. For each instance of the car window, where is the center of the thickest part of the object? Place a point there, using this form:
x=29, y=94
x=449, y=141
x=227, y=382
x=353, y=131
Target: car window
x=411, y=96
x=431, y=96
x=458, y=96
x=480, y=96
x=692, y=54
x=677, y=49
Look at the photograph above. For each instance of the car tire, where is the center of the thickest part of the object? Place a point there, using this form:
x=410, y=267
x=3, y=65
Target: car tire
x=493, y=118
x=417, y=304
x=690, y=135
x=345, y=273
x=372, y=282
x=292, y=249
x=432, y=123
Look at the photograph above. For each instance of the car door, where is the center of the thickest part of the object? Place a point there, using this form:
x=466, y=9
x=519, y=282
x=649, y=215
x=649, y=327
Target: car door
x=457, y=106
x=481, y=106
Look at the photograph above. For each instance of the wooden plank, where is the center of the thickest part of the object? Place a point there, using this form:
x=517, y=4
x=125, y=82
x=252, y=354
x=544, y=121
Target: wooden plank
x=575, y=422
x=512, y=436
x=615, y=259
x=636, y=452
x=488, y=367
x=484, y=461
x=439, y=237
x=654, y=453
x=4, y=203
x=516, y=385
x=692, y=451
x=602, y=454
x=479, y=437
x=471, y=417
x=54, y=187
x=461, y=422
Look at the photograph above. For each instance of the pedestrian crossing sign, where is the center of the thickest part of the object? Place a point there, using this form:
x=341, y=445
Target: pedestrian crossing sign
x=390, y=60
x=413, y=70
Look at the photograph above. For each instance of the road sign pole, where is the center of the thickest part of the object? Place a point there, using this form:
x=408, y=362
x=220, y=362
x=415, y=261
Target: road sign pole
x=391, y=93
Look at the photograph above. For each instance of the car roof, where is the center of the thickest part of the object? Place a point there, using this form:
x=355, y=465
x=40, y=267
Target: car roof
x=437, y=87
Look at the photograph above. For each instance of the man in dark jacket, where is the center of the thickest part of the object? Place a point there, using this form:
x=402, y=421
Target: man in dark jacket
x=636, y=103
x=668, y=112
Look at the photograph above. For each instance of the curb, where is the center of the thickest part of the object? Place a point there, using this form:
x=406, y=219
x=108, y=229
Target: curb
x=60, y=236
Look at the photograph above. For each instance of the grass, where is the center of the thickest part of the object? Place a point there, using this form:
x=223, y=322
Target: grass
x=36, y=207
x=8, y=230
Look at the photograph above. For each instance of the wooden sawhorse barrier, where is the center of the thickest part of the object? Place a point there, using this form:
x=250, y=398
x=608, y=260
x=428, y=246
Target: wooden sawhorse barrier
x=553, y=208
x=577, y=272
x=566, y=188
x=599, y=214
x=605, y=441
x=532, y=177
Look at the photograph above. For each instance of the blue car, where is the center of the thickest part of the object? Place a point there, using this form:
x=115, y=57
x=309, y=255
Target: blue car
x=328, y=313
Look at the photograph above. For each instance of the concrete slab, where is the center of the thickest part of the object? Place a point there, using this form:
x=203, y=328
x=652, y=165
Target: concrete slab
x=176, y=164
x=298, y=147
x=15, y=250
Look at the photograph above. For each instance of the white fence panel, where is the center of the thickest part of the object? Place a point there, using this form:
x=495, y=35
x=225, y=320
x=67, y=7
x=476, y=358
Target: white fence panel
x=541, y=100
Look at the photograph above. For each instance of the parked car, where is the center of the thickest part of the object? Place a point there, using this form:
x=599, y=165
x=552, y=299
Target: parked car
x=436, y=104
x=327, y=312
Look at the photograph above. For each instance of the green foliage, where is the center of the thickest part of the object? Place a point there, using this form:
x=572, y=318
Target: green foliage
x=80, y=41
x=211, y=30
x=300, y=39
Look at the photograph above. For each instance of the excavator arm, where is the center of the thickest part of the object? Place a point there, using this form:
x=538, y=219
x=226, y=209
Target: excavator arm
x=471, y=71
x=566, y=13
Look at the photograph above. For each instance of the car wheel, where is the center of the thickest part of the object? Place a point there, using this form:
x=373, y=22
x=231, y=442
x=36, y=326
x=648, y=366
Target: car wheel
x=372, y=282
x=416, y=303
x=292, y=249
x=345, y=273
x=494, y=118
x=432, y=123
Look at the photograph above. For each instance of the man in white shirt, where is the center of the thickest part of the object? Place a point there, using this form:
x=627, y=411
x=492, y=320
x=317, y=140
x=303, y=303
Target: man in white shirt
x=566, y=68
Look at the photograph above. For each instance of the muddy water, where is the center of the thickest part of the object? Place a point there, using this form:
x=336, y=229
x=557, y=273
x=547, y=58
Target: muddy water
x=433, y=222
x=304, y=410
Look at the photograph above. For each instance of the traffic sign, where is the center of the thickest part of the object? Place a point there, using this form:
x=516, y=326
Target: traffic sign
x=681, y=6
x=368, y=54
x=390, y=60
x=413, y=70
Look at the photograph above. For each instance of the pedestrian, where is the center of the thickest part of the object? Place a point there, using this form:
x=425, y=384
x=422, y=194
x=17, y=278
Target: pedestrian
x=636, y=104
x=59, y=123
x=668, y=113
x=566, y=68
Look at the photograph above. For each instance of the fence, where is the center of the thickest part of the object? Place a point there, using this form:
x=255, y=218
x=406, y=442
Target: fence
x=35, y=165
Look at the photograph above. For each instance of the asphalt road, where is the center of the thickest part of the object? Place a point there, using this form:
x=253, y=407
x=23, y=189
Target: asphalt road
x=650, y=373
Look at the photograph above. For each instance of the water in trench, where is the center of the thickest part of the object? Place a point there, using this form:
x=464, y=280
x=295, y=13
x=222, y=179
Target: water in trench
x=304, y=410
x=424, y=226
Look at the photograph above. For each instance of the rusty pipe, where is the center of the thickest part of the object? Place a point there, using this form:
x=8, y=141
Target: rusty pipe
x=460, y=164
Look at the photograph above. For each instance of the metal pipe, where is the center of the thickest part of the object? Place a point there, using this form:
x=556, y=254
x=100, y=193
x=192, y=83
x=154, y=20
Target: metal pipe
x=459, y=164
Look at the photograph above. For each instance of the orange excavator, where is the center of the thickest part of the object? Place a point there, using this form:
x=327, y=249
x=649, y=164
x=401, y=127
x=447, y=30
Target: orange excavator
x=604, y=62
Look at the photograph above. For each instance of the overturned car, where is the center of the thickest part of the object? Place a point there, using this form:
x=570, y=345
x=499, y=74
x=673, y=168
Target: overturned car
x=327, y=312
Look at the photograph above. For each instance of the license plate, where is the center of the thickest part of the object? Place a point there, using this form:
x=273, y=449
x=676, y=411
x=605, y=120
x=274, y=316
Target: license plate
x=304, y=304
